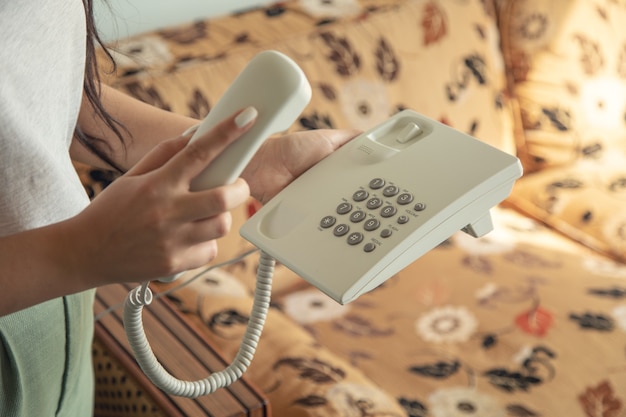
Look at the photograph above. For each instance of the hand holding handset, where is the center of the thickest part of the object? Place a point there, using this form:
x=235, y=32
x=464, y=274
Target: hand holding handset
x=277, y=88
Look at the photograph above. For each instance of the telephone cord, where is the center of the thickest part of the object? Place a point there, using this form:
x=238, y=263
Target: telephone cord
x=133, y=324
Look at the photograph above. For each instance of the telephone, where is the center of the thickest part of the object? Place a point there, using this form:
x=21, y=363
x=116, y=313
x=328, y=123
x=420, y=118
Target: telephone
x=380, y=202
x=350, y=222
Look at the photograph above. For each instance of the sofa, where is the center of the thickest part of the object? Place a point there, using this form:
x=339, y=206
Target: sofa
x=529, y=320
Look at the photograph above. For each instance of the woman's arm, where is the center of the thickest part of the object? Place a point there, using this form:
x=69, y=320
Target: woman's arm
x=279, y=161
x=146, y=224
x=147, y=125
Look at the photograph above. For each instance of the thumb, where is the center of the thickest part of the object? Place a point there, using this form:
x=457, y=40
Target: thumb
x=339, y=137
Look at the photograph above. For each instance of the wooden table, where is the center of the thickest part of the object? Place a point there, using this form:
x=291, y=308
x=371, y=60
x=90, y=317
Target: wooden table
x=182, y=349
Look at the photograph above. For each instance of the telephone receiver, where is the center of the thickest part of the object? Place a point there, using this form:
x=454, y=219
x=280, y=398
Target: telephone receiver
x=352, y=221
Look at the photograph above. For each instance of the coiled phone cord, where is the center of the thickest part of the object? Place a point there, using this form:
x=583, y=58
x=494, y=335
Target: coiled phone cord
x=133, y=324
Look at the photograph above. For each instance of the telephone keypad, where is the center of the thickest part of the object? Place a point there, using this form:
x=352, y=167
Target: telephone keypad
x=388, y=211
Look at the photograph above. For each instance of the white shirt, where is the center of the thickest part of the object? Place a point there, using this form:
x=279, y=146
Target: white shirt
x=45, y=350
x=42, y=62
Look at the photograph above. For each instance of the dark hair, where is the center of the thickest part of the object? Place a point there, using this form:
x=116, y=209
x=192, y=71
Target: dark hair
x=92, y=90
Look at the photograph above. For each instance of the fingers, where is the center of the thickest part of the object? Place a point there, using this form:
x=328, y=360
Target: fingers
x=198, y=154
x=201, y=205
x=196, y=233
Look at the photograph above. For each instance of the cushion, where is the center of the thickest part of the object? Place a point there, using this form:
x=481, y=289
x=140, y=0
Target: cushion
x=566, y=62
x=486, y=327
x=522, y=322
x=438, y=58
x=299, y=376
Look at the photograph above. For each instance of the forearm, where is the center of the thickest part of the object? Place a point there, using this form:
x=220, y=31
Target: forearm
x=147, y=224
x=38, y=265
x=144, y=127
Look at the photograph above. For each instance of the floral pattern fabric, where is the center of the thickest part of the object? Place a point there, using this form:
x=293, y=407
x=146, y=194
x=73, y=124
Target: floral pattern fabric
x=567, y=66
x=362, y=68
x=522, y=322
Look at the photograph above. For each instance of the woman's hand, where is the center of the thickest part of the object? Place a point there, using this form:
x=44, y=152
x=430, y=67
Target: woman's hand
x=282, y=159
x=147, y=224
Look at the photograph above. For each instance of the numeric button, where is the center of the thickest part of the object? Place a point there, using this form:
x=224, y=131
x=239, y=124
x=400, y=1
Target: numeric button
x=344, y=208
x=357, y=216
x=377, y=183
x=341, y=230
x=360, y=195
x=371, y=224
x=388, y=211
x=374, y=203
x=390, y=191
x=404, y=198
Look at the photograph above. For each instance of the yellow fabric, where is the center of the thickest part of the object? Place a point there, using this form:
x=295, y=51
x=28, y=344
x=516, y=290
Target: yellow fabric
x=567, y=65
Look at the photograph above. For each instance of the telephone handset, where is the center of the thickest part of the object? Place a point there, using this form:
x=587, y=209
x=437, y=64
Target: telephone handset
x=382, y=201
x=350, y=222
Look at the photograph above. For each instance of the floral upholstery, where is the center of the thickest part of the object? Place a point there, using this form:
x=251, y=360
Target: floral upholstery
x=519, y=323
x=361, y=68
x=567, y=66
x=523, y=322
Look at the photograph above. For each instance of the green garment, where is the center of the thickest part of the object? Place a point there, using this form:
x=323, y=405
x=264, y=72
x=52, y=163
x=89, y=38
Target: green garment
x=45, y=359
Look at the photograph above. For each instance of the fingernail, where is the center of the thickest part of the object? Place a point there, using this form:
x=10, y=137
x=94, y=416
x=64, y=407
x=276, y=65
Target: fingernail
x=191, y=130
x=246, y=117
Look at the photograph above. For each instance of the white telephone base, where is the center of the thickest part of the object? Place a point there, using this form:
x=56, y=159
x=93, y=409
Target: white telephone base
x=380, y=202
